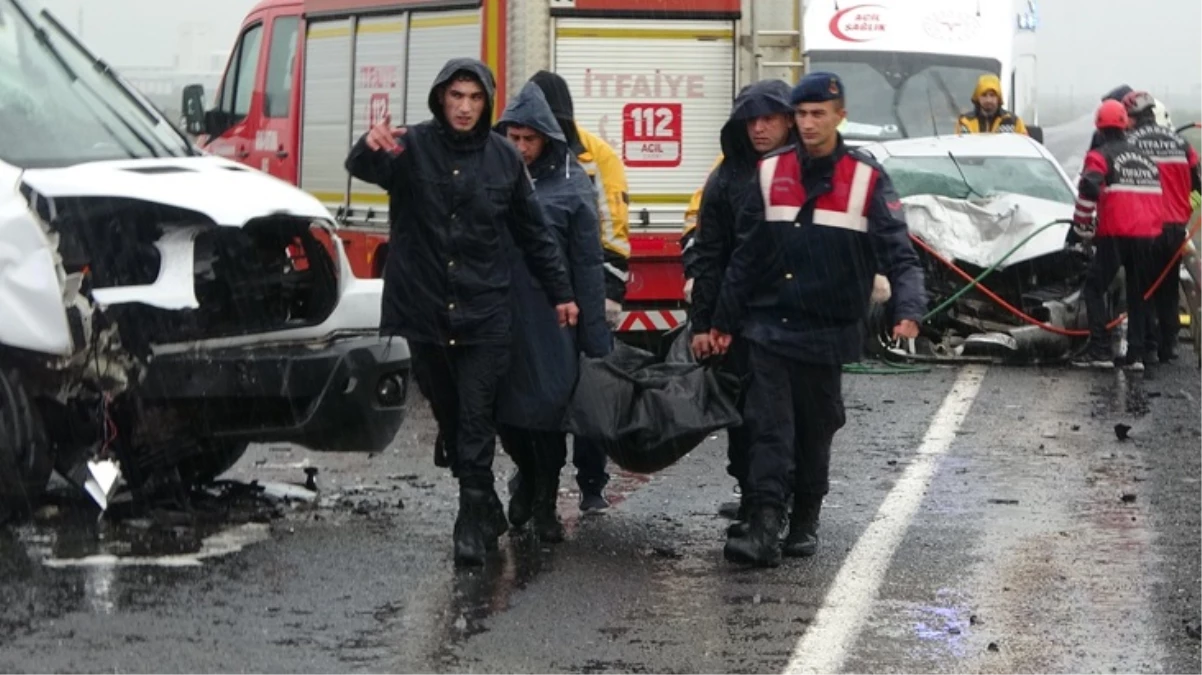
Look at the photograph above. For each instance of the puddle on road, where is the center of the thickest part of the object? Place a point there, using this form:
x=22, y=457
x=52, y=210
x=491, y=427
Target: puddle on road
x=220, y=543
x=434, y=621
x=944, y=626
x=1127, y=394
x=219, y=521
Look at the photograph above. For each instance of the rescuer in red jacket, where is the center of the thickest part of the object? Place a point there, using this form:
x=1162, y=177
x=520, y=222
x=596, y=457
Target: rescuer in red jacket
x=1178, y=164
x=1121, y=185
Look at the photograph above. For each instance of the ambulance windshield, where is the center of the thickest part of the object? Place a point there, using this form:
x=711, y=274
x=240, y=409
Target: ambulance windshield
x=901, y=95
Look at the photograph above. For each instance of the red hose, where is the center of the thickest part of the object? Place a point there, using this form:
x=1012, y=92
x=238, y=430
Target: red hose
x=1047, y=326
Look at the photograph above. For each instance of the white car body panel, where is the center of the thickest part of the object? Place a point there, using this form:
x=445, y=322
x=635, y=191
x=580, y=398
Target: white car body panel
x=174, y=288
x=32, y=287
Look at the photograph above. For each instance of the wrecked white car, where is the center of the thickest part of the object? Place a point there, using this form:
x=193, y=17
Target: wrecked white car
x=159, y=307
x=976, y=202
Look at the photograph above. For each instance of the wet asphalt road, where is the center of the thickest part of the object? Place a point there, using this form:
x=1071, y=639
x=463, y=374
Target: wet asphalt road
x=1021, y=536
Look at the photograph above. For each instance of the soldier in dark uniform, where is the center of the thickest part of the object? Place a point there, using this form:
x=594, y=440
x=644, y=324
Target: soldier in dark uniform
x=818, y=222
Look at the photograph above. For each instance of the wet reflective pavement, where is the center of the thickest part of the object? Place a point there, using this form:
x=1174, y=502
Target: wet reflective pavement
x=1039, y=542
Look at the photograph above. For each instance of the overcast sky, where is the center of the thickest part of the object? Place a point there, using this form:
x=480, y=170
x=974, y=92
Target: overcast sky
x=1086, y=45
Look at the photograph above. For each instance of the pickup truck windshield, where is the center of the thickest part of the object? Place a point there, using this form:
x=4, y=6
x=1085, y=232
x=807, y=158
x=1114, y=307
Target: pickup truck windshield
x=988, y=176
x=57, y=108
x=901, y=95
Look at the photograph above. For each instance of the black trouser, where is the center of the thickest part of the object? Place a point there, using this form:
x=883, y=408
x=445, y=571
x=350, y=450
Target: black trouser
x=738, y=438
x=793, y=410
x=589, y=460
x=533, y=451
x=1164, y=319
x=461, y=385
x=1132, y=255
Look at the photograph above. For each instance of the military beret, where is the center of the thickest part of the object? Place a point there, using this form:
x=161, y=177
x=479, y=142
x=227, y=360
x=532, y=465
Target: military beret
x=816, y=88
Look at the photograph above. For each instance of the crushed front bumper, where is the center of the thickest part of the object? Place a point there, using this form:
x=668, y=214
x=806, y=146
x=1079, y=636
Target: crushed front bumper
x=347, y=394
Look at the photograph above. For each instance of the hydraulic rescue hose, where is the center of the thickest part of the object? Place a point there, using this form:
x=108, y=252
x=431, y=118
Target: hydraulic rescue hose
x=895, y=369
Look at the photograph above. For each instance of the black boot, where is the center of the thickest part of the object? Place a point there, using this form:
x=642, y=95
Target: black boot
x=760, y=546
x=802, y=540
x=496, y=525
x=739, y=527
x=472, y=526
x=546, y=500
x=521, y=499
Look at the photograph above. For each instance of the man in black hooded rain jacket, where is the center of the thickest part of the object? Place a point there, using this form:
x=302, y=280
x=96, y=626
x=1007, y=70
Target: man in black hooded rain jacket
x=761, y=121
x=534, y=398
x=608, y=175
x=458, y=194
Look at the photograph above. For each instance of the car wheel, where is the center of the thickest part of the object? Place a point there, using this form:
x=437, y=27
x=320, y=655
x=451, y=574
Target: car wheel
x=25, y=456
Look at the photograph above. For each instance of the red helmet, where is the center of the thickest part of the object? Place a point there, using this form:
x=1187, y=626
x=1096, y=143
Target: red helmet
x=1138, y=102
x=1111, y=115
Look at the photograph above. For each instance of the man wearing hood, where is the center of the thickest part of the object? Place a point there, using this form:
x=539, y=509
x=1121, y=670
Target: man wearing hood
x=817, y=223
x=988, y=116
x=458, y=193
x=761, y=121
x=608, y=177
x=534, y=397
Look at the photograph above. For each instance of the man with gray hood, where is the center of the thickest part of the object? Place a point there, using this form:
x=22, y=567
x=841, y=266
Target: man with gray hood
x=534, y=397
x=761, y=121
x=458, y=194
x=608, y=177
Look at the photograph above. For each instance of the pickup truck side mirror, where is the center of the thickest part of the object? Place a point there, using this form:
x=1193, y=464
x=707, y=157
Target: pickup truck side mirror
x=1036, y=133
x=193, y=105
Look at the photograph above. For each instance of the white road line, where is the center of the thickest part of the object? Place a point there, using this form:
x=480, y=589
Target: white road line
x=824, y=646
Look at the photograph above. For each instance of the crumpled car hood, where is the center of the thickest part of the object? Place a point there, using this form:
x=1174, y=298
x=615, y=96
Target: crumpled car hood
x=228, y=193
x=980, y=232
x=34, y=290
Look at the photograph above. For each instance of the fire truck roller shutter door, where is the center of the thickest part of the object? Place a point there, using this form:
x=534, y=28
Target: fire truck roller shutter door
x=434, y=39
x=658, y=92
x=380, y=51
x=326, y=123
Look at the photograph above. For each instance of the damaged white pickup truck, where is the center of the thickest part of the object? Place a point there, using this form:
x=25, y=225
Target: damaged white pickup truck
x=161, y=308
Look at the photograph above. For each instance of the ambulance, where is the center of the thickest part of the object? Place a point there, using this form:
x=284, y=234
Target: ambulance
x=910, y=66
x=654, y=78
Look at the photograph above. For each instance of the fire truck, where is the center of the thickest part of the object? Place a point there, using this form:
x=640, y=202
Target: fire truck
x=654, y=78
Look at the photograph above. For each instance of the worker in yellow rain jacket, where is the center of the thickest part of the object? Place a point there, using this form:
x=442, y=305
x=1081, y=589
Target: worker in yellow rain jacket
x=688, y=236
x=988, y=116
x=608, y=175
x=608, y=172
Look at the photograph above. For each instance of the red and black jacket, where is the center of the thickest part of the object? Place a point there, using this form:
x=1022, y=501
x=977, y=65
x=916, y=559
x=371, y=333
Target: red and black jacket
x=812, y=234
x=1122, y=185
x=1178, y=164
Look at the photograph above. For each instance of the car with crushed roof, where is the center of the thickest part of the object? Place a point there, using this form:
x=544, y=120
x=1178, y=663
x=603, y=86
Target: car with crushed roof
x=988, y=202
x=161, y=308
